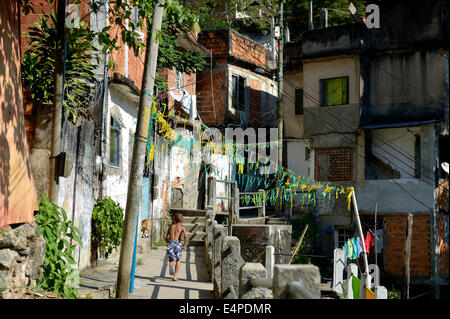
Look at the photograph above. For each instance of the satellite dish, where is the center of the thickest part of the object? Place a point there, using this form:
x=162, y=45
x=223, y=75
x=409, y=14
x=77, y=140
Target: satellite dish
x=445, y=166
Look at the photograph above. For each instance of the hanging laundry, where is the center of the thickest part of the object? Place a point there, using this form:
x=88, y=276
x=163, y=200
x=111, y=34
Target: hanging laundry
x=360, y=247
x=349, y=249
x=355, y=248
x=368, y=241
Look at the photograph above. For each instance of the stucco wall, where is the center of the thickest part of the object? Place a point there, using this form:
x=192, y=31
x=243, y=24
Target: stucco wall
x=18, y=198
x=389, y=196
x=116, y=180
x=325, y=119
x=405, y=87
x=293, y=124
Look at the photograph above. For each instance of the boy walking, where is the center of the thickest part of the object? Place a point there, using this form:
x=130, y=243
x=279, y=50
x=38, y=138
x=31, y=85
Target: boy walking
x=174, y=247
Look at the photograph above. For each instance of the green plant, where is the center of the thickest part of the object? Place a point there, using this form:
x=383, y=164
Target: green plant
x=394, y=293
x=107, y=225
x=38, y=66
x=59, y=273
x=310, y=239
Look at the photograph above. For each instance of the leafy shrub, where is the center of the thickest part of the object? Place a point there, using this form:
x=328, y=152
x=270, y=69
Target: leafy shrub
x=107, y=225
x=310, y=239
x=38, y=66
x=59, y=273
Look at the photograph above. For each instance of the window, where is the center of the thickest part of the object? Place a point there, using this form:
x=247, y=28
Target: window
x=299, y=102
x=114, y=143
x=238, y=93
x=334, y=91
x=417, y=167
x=307, y=154
x=342, y=236
x=179, y=79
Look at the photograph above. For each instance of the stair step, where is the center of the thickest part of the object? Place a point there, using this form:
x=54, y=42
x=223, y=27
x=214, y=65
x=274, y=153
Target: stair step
x=194, y=220
x=188, y=211
x=196, y=235
x=196, y=243
x=194, y=227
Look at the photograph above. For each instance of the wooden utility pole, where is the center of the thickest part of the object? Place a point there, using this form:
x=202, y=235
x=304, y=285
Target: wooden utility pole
x=406, y=271
x=58, y=99
x=280, y=108
x=138, y=158
x=298, y=244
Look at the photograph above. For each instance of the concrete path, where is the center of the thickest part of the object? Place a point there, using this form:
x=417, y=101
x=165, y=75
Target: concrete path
x=152, y=279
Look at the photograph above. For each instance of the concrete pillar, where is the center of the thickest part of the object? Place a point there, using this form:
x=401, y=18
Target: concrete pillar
x=247, y=272
x=262, y=210
x=218, y=236
x=352, y=270
x=339, y=262
x=212, y=192
x=209, y=221
x=230, y=264
x=308, y=276
x=381, y=293
x=270, y=260
x=374, y=272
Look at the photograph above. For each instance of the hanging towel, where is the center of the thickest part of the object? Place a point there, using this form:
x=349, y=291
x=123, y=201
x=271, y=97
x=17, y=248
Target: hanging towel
x=355, y=248
x=368, y=241
x=349, y=249
x=360, y=247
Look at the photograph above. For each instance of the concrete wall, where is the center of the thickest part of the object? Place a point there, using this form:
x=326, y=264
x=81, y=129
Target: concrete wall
x=296, y=157
x=389, y=196
x=260, y=97
x=326, y=119
x=18, y=198
x=254, y=238
x=405, y=87
x=234, y=278
x=115, y=183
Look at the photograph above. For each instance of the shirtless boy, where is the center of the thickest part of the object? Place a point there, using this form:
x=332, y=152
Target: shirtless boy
x=174, y=247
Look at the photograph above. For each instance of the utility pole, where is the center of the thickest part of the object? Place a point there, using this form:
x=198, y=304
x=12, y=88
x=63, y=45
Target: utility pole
x=138, y=158
x=280, y=108
x=58, y=99
x=406, y=269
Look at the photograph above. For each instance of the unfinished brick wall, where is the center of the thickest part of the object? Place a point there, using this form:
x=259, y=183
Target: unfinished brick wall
x=255, y=103
x=334, y=164
x=394, y=250
x=216, y=41
x=247, y=50
x=44, y=7
x=205, y=96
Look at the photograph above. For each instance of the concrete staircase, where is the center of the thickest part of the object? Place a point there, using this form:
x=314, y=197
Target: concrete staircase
x=194, y=222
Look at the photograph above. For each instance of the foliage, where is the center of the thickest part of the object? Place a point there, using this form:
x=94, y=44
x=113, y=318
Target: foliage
x=297, y=14
x=59, y=273
x=38, y=69
x=107, y=225
x=171, y=55
x=310, y=239
x=394, y=293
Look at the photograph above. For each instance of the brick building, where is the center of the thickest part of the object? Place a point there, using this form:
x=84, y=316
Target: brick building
x=239, y=90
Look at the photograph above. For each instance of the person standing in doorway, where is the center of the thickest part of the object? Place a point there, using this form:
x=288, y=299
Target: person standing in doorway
x=174, y=246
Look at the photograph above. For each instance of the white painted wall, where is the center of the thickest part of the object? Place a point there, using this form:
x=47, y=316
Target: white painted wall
x=116, y=185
